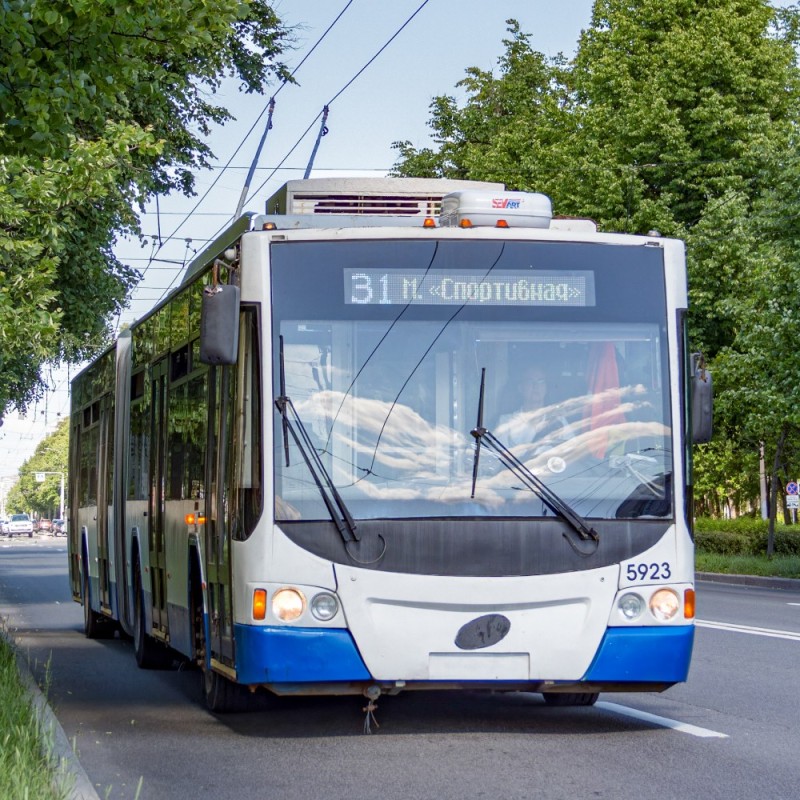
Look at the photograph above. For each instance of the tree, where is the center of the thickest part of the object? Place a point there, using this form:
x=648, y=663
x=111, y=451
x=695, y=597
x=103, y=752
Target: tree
x=759, y=367
x=51, y=456
x=726, y=478
x=102, y=105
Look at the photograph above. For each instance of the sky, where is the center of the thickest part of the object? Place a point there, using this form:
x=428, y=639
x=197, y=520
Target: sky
x=388, y=101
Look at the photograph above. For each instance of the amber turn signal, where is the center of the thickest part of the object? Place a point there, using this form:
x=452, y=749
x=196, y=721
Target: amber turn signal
x=688, y=604
x=259, y=604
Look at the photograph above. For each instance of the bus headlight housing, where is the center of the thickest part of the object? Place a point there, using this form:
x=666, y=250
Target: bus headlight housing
x=631, y=605
x=664, y=604
x=288, y=604
x=324, y=606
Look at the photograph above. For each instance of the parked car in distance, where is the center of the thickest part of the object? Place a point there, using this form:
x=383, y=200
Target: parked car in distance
x=58, y=527
x=3, y=526
x=20, y=524
x=45, y=525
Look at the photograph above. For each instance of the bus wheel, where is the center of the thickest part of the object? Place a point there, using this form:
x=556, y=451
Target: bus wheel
x=221, y=695
x=150, y=654
x=570, y=699
x=95, y=626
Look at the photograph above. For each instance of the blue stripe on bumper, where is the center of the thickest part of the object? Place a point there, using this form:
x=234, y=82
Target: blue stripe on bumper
x=267, y=654
x=658, y=655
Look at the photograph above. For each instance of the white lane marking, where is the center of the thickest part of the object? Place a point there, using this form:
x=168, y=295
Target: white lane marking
x=664, y=722
x=729, y=626
x=793, y=604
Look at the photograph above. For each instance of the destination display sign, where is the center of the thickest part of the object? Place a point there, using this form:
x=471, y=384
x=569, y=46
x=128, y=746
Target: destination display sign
x=455, y=288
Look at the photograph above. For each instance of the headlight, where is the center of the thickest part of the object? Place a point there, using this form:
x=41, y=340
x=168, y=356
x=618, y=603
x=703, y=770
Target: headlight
x=664, y=604
x=288, y=604
x=324, y=606
x=631, y=606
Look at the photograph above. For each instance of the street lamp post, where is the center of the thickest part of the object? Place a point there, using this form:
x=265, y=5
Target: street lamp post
x=40, y=476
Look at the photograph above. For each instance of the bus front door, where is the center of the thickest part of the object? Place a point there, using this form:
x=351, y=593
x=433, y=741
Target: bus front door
x=155, y=532
x=217, y=529
x=104, y=483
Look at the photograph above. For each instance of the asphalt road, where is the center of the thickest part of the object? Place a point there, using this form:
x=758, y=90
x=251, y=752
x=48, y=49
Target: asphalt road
x=732, y=731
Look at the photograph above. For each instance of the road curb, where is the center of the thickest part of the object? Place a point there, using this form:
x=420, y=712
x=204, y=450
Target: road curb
x=69, y=771
x=786, y=584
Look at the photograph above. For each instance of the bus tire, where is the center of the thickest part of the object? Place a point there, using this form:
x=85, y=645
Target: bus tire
x=221, y=695
x=571, y=698
x=95, y=626
x=150, y=653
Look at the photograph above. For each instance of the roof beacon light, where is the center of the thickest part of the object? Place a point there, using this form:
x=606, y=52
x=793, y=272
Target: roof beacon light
x=482, y=208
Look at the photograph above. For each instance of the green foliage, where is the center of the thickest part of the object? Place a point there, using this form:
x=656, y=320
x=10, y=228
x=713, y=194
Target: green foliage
x=25, y=771
x=726, y=544
x=686, y=94
x=102, y=104
x=725, y=476
x=743, y=526
x=59, y=278
x=744, y=536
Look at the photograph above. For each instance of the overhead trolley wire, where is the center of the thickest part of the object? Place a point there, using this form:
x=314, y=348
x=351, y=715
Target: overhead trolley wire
x=268, y=126
x=339, y=94
x=269, y=106
x=305, y=132
x=311, y=125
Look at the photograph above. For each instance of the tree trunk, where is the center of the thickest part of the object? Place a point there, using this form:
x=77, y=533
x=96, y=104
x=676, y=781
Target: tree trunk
x=762, y=475
x=773, y=494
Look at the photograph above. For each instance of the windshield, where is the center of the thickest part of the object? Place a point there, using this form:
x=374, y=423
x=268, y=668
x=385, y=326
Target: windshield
x=20, y=518
x=384, y=343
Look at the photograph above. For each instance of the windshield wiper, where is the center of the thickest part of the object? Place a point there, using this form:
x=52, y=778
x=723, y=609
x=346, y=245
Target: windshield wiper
x=478, y=427
x=538, y=487
x=336, y=506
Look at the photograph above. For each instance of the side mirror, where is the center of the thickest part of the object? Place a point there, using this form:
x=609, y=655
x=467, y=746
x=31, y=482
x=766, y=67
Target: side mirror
x=702, y=400
x=219, y=325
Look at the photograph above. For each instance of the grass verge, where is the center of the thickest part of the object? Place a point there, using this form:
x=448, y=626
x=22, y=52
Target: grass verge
x=26, y=771
x=775, y=567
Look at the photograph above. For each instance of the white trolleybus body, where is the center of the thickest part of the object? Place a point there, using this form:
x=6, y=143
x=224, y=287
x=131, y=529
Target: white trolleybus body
x=359, y=452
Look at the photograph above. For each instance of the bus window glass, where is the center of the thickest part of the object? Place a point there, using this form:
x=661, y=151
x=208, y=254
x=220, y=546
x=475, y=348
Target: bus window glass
x=575, y=377
x=139, y=447
x=88, y=474
x=186, y=439
x=245, y=441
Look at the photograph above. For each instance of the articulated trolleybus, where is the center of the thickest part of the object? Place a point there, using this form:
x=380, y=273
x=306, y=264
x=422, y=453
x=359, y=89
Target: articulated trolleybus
x=398, y=434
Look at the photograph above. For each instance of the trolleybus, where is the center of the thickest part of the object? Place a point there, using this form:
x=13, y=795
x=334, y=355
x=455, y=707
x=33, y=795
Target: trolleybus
x=396, y=435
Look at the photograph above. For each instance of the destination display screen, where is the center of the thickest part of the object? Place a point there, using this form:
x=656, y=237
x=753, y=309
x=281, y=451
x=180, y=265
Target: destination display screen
x=477, y=287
